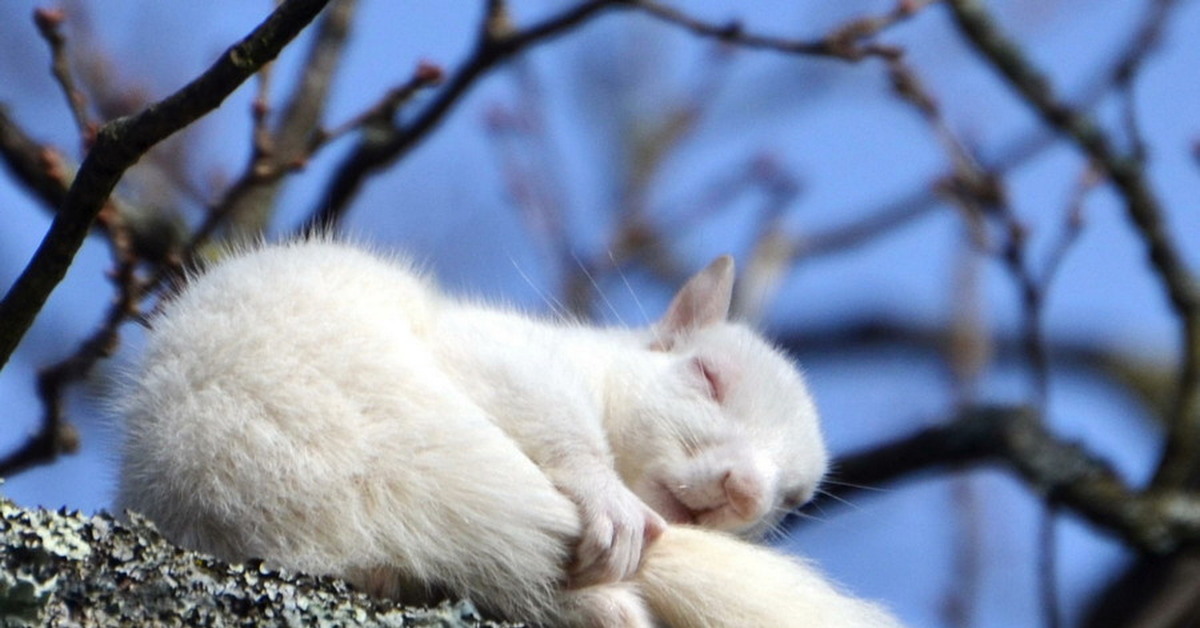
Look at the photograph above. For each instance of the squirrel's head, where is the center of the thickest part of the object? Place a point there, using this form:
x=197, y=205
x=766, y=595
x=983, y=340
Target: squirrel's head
x=715, y=427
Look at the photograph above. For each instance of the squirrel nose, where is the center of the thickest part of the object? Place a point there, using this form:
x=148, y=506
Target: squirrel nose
x=746, y=494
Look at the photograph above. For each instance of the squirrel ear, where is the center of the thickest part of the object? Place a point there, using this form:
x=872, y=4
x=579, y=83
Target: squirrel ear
x=703, y=300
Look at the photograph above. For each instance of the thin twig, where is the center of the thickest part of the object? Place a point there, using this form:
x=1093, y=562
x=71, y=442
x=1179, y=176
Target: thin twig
x=847, y=237
x=1047, y=566
x=385, y=145
x=978, y=194
x=285, y=145
x=531, y=166
x=424, y=76
x=56, y=435
x=277, y=150
x=1012, y=154
x=1142, y=46
x=847, y=42
x=49, y=22
x=39, y=168
x=499, y=40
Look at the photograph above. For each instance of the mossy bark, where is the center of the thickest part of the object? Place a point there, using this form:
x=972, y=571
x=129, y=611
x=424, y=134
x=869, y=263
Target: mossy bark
x=60, y=568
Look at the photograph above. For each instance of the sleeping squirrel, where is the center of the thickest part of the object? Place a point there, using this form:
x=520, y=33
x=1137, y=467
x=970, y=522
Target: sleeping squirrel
x=328, y=409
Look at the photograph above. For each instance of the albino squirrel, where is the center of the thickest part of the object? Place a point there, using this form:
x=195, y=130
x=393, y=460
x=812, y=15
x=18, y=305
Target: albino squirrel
x=329, y=410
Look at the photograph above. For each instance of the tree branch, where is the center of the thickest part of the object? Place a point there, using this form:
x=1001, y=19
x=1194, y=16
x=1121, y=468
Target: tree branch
x=1065, y=474
x=122, y=142
x=1180, y=464
x=57, y=435
x=499, y=41
x=38, y=168
x=250, y=201
x=386, y=144
x=66, y=569
x=48, y=22
x=845, y=42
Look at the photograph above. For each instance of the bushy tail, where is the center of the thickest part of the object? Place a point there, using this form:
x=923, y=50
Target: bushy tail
x=694, y=578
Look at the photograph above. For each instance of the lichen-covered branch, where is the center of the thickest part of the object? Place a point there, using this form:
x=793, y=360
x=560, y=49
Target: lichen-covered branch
x=120, y=143
x=68, y=569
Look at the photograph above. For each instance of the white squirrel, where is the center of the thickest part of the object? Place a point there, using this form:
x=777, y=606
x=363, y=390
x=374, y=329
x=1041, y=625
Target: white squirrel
x=329, y=410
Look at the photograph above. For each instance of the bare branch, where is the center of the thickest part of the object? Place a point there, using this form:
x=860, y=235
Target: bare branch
x=846, y=42
x=387, y=144
x=847, y=237
x=39, y=168
x=56, y=435
x=923, y=200
x=48, y=22
x=1180, y=463
x=284, y=147
x=1145, y=379
x=1142, y=46
x=1063, y=473
x=122, y=142
x=499, y=40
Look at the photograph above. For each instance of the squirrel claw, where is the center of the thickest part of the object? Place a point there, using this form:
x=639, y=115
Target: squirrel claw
x=613, y=541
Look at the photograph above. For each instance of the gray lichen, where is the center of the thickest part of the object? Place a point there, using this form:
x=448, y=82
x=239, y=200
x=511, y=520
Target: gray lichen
x=67, y=569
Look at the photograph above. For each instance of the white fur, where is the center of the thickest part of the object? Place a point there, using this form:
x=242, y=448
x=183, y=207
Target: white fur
x=702, y=579
x=331, y=411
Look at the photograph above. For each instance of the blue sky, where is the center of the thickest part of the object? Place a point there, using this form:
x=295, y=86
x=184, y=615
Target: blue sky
x=832, y=125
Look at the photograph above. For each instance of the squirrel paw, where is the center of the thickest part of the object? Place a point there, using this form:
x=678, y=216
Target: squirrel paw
x=617, y=527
